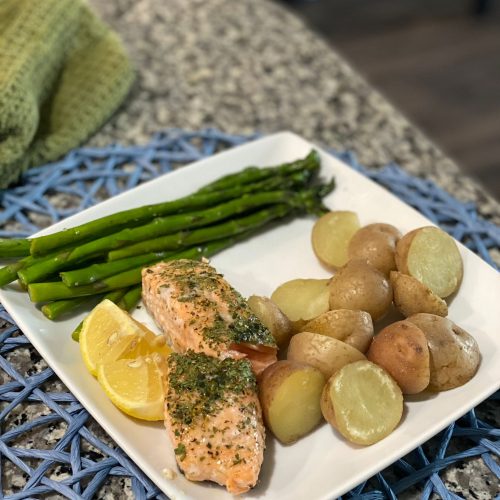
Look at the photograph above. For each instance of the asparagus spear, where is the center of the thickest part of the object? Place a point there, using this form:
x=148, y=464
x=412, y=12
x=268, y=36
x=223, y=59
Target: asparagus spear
x=97, y=272
x=131, y=298
x=14, y=247
x=45, y=292
x=189, y=238
x=54, y=310
x=158, y=227
x=160, y=248
x=44, y=244
x=75, y=335
x=254, y=174
x=9, y=273
x=21, y=247
x=115, y=296
x=18, y=269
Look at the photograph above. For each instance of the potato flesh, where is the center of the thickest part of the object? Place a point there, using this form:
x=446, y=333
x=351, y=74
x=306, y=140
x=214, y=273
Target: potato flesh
x=433, y=258
x=331, y=235
x=367, y=403
x=295, y=408
x=302, y=299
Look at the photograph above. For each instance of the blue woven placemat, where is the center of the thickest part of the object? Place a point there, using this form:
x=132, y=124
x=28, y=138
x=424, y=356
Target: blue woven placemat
x=80, y=462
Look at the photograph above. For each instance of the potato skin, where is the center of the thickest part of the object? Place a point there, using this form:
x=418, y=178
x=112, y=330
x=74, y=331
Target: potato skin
x=401, y=349
x=272, y=318
x=326, y=403
x=270, y=382
x=324, y=353
x=412, y=297
x=454, y=353
x=359, y=286
x=402, y=247
x=375, y=243
x=355, y=328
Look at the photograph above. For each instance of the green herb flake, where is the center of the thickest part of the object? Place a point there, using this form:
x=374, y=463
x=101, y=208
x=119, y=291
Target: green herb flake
x=200, y=385
x=180, y=451
x=199, y=283
x=238, y=460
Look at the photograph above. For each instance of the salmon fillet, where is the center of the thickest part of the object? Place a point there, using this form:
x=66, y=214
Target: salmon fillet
x=198, y=310
x=214, y=419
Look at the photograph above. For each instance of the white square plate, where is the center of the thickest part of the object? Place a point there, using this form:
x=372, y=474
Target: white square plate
x=322, y=465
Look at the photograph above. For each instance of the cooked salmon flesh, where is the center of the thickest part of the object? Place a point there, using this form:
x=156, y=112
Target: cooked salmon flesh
x=198, y=310
x=214, y=419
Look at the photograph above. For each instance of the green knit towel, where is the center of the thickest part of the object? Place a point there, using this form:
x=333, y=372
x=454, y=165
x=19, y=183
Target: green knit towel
x=62, y=74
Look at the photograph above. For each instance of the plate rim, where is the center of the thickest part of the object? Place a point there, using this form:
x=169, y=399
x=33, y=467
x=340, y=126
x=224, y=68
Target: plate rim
x=115, y=434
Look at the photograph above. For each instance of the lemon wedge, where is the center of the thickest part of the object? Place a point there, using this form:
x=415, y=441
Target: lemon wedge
x=135, y=386
x=134, y=346
x=127, y=358
x=110, y=333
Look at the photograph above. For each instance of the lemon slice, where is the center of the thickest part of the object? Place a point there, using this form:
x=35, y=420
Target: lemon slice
x=109, y=333
x=135, y=386
x=133, y=346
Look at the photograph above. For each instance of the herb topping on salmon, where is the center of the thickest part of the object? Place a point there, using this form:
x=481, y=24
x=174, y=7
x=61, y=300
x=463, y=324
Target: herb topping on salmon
x=198, y=310
x=214, y=418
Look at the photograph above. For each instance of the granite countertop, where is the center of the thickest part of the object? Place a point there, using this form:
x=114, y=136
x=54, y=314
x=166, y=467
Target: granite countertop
x=252, y=66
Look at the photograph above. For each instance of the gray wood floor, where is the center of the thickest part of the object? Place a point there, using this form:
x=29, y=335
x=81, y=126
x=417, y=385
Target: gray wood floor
x=436, y=61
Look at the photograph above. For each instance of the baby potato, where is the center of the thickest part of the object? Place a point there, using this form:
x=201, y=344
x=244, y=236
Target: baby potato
x=324, y=353
x=412, y=296
x=375, y=243
x=432, y=257
x=454, y=353
x=330, y=236
x=302, y=299
x=359, y=286
x=290, y=394
x=355, y=328
x=401, y=349
x=272, y=318
x=363, y=402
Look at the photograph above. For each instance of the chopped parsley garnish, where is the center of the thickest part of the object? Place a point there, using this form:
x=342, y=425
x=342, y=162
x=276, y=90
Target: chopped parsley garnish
x=200, y=284
x=180, y=451
x=200, y=385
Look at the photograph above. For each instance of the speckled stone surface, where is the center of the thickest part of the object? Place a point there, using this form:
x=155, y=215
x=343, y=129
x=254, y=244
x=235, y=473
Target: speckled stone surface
x=243, y=67
x=251, y=66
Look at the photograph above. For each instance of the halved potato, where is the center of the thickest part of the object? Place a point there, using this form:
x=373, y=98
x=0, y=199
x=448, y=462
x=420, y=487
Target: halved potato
x=375, y=243
x=401, y=349
x=272, y=318
x=363, y=402
x=431, y=256
x=302, y=299
x=355, y=328
x=454, y=353
x=290, y=396
x=359, y=286
x=324, y=353
x=412, y=296
x=330, y=237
